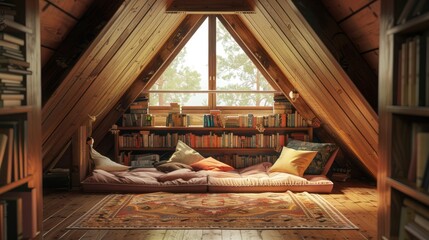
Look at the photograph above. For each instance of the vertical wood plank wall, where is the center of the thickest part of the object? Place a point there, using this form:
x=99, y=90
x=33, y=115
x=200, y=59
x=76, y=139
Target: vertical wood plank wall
x=138, y=30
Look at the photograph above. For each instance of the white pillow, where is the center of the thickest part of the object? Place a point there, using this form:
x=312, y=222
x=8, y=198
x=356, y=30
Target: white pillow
x=104, y=163
x=185, y=154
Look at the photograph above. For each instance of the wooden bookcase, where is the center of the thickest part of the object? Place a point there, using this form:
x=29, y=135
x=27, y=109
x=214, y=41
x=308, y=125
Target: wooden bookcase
x=241, y=133
x=403, y=115
x=22, y=181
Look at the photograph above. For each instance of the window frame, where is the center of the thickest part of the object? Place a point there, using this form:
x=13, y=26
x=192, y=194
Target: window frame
x=212, y=61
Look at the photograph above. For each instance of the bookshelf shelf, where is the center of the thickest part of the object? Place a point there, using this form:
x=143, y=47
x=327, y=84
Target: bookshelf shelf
x=13, y=185
x=403, y=117
x=237, y=141
x=15, y=110
x=412, y=111
x=408, y=188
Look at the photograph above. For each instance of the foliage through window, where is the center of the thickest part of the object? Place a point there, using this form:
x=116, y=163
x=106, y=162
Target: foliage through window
x=234, y=82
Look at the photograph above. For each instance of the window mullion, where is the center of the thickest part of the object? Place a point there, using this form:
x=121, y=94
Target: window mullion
x=212, y=61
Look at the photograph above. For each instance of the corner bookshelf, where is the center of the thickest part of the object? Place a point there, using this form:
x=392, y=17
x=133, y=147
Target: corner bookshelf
x=404, y=119
x=209, y=141
x=20, y=120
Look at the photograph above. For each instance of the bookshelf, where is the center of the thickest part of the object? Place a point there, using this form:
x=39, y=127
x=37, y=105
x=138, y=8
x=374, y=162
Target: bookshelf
x=226, y=143
x=404, y=120
x=20, y=120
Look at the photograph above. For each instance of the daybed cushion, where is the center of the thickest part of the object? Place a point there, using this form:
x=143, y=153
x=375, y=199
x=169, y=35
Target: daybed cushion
x=321, y=162
x=257, y=178
x=185, y=154
x=172, y=166
x=211, y=164
x=293, y=161
x=145, y=180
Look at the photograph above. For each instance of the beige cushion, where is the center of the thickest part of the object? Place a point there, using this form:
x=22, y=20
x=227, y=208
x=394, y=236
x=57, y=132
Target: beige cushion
x=293, y=161
x=104, y=163
x=185, y=154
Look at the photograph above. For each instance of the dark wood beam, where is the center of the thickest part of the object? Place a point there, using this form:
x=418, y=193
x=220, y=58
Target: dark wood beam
x=341, y=47
x=210, y=7
x=151, y=72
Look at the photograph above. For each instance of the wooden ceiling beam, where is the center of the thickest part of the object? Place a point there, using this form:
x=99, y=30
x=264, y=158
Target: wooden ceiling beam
x=210, y=7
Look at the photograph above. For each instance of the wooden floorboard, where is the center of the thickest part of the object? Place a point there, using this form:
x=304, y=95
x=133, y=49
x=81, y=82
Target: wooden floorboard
x=356, y=200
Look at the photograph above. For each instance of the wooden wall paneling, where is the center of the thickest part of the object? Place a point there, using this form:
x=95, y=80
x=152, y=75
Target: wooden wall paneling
x=341, y=9
x=77, y=41
x=151, y=40
x=257, y=52
x=55, y=27
x=352, y=103
x=330, y=68
x=342, y=48
x=151, y=71
x=75, y=8
x=89, y=59
x=308, y=78
x=363, y=27
x=82, y=74
x=107, y=77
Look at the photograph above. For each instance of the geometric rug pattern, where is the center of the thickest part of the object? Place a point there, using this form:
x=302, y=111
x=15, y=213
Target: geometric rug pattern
x=161, y=210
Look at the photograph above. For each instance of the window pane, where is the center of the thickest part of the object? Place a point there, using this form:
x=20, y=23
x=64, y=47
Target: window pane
x=189, y=70
x=184, y=99
x=235, y=70
x=244, y=99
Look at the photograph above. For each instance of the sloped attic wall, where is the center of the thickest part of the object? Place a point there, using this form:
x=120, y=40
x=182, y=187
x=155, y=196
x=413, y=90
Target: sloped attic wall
x=313, y=71
x=105, y=71
x=135, y=33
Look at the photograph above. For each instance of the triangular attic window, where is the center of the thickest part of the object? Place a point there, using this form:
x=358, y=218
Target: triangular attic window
x=212, y=71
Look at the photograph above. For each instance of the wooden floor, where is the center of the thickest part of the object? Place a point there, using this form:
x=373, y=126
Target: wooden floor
x=356, y=200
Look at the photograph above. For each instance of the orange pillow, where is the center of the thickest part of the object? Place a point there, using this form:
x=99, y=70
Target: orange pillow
x=211, y=164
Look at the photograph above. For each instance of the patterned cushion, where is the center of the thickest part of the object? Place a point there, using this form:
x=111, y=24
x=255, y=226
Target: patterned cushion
x=324, y=152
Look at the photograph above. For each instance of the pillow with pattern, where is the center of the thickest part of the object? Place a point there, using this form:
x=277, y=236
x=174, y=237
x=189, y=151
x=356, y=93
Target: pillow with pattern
x=324, y=152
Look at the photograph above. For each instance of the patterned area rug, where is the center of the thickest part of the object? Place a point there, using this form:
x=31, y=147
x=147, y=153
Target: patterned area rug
x=213, y=211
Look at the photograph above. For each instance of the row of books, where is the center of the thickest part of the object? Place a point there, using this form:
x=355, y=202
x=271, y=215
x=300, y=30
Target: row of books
x=418, y=171
x=414, y=220
x=413, y=76
x=138, y=160
x=242, y=161
x=13, y=164
x=13, y=65
x=140, y=105
x=282, y=104
x=175, y=119
x=145, y=139
x=137, y=120
x=273, y=120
